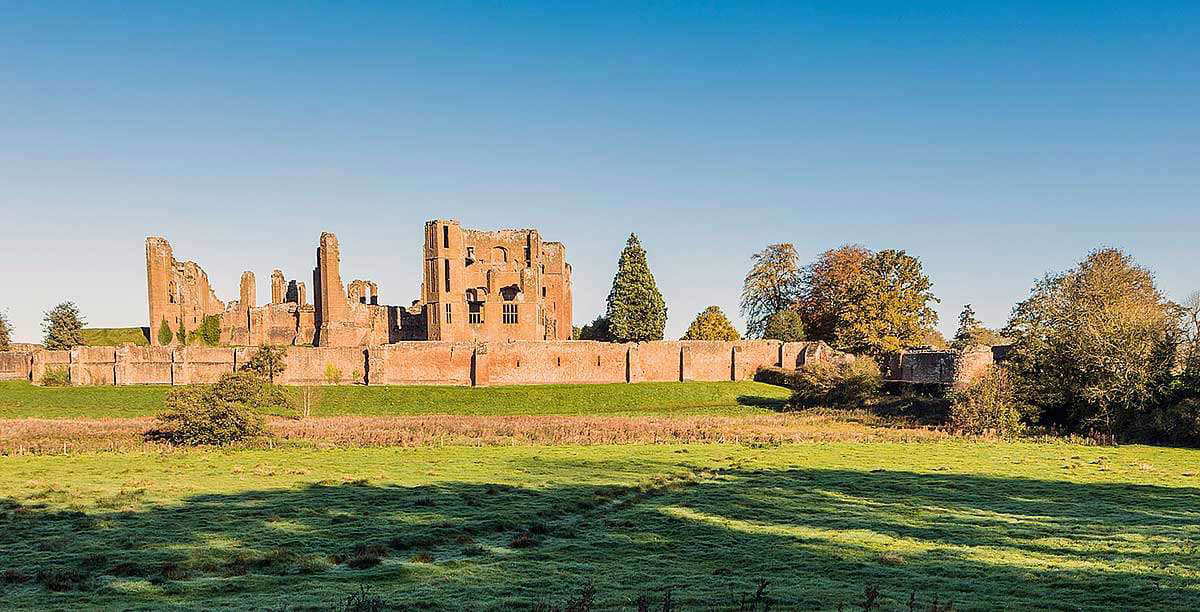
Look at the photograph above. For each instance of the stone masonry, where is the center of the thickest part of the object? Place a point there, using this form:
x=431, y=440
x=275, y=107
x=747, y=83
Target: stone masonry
x=478, y=286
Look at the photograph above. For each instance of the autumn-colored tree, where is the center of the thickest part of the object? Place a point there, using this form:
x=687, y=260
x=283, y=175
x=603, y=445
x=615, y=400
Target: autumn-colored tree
x=772, y=286
x=785, y=325
x=712, y=324
x=1089, y=344
x=888, y=305
x=825, y=291
x=63, y=327
x=636, y=309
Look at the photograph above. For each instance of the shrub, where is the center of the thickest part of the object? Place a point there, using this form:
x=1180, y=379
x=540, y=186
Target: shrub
x=333, y=375
x=836, y=384
x=988, y=404
x=165, y=335
x=182, y=334
x=267, y=362
x=196, y=416
x=56, y=377
x=244, y=387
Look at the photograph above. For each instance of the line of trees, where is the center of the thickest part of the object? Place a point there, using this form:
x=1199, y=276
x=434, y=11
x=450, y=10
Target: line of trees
x=853, y=298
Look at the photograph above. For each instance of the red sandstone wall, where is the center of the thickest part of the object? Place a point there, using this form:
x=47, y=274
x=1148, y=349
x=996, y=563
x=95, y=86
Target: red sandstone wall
x=754, y=354
x=658, y=362
x=437, y=363
x=308, y=365
x=144, y=365
x=14, y=365
x=93, y=365
x=197, y=364
x=531, y=363
x=420, y=363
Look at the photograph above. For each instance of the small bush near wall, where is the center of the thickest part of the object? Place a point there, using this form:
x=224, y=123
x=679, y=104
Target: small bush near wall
x=56, y=377
x=842, y=384
x=988, y=405
x=194, y=416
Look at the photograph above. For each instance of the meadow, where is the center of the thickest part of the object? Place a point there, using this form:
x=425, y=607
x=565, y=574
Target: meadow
x=518, y=497
x=985, y=525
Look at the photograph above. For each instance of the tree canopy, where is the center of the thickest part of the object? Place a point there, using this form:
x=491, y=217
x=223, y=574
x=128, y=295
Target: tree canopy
x=5, y=333
x=785, y=325
x=711, y=324
x=1089, y=343
x=826, y=287
x=63, y=327
x=636, y=309
x=888, y=306
x=772, y=286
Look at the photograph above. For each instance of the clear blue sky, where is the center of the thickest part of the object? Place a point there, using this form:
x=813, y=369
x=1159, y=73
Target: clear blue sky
x=996, y=141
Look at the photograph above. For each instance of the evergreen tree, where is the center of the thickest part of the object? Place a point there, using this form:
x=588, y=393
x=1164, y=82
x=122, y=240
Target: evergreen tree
x=5, y=333
x=597, y=330
x=785, y=325
x=636, y=310
x=712, y=324
x=971, y=331
x=164, y=334
x=63, y=327
x=181, y=334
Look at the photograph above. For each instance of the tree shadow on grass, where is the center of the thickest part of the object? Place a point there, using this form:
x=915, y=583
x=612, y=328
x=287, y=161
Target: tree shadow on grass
x=818, y=536
x=773, y=403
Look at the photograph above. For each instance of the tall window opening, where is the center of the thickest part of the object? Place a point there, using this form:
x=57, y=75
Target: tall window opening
x=475, y=312
x=445, y=236
x=510, y=314
x=447, y=268
x=449, y=314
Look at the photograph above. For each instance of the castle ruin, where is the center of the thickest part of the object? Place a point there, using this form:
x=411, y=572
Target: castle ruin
x=478, y=286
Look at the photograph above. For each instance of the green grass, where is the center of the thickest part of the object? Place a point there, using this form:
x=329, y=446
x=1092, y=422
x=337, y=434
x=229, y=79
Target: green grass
x=989, y=526
x=115, y=336
x=22, y=400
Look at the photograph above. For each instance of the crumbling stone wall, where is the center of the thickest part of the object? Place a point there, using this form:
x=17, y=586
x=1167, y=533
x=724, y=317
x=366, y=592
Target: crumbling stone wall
x=15, y=365
x=938, y=367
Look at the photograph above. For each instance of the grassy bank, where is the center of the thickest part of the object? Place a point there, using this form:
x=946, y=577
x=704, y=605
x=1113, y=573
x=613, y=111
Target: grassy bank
x=989, y=526
x=23, y=400
x=116, y=336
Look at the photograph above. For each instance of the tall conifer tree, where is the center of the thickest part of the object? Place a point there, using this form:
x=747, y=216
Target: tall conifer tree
x=636, y=310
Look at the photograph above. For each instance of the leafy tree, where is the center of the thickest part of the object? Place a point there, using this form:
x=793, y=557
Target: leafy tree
x=165, y=336
x=195, y=415
x=785, y=325
x=636, y=310
x=576, y=332
x=933, y=338
x=267, y=362
x=971, y=331
x=889, y=305
x=596, y=330
x=826, y=287
x=987, y=405
x=63, y=327
x=772, y=286
x=182, y=334
x=1089, y=344
x=712, y=324
x=5, y=333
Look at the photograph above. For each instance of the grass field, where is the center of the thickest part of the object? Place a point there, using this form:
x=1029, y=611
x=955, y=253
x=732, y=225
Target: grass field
x=23, y=400
x=115, y=336
x=989, y=526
